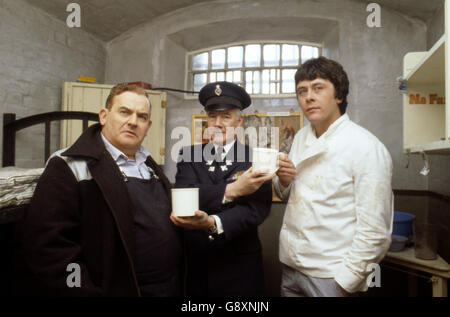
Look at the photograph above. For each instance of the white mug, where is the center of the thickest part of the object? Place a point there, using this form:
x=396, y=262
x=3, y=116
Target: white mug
x=184, y=201
x=265, y=159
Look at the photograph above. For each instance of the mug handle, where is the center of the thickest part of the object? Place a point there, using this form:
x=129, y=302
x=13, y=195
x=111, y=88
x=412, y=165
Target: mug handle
x=278, y=165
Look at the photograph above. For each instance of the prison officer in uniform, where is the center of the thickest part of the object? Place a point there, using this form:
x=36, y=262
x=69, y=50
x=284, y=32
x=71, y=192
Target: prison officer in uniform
x=224, y=255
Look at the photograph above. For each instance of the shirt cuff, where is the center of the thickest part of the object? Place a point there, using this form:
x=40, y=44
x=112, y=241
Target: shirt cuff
x=225, y=200
x=218, y=224
x=350, y=281
x=281, y=191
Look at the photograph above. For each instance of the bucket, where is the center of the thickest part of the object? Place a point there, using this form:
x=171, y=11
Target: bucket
x=403, y=223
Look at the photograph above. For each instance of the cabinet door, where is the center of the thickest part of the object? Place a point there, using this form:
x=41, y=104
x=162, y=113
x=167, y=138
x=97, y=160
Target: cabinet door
x=92, y=98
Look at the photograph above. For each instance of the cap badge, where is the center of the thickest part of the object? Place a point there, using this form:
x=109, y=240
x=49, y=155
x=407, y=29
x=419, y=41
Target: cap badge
x=218, y=90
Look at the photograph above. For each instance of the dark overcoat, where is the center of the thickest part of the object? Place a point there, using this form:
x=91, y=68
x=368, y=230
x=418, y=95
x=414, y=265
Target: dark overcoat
x=81, y=213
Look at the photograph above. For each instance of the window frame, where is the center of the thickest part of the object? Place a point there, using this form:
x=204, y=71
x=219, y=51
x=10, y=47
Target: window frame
x=188, y=78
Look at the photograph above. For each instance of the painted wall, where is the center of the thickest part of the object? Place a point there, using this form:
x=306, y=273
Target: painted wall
x=372, y=58
x=435, y=27
x=37, y=54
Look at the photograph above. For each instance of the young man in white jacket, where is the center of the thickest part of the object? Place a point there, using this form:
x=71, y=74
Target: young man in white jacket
x=337, y=179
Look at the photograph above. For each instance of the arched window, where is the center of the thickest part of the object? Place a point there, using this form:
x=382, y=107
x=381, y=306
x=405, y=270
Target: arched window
x=262, y=68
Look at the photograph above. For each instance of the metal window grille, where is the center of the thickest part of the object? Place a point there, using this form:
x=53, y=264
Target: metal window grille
x=262, y=68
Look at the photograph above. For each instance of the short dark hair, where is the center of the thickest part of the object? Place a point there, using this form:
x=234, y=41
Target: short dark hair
x=121, y=88
x=331, y=70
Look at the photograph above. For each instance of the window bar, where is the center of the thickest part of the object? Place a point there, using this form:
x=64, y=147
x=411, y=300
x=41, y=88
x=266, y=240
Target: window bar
x=47, y=140
x=278, y=72
x=244, y=64
x=208, y=71
x=261, y=68
x=300, y=54
x=226, y=63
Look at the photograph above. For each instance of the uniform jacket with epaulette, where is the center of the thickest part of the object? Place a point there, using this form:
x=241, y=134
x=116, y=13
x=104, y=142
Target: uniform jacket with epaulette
x=229, y=264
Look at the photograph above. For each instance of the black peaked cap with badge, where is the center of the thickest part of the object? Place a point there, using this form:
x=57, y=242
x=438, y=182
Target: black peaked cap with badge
x=223, y=95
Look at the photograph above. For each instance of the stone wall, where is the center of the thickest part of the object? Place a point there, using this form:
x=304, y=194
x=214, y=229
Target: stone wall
x=37, y=54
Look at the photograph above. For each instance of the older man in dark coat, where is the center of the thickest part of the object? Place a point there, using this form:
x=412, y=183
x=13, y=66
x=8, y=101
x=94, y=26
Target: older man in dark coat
x=224, y=256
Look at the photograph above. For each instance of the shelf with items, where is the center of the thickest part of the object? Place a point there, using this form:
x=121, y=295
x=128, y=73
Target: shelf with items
x=426, y=116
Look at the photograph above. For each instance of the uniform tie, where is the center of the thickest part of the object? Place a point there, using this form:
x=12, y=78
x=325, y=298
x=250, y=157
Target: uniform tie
x=219, y=153
x=218, y=175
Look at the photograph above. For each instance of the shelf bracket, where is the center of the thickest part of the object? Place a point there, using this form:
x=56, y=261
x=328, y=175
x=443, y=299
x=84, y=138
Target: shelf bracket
x=426, y=167
x=408, y=156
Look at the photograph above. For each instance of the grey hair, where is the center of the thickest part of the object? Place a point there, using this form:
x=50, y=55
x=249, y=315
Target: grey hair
x=239, y=112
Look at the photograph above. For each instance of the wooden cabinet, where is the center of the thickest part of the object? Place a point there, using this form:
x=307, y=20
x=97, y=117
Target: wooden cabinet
x=92, y=97
x=426, y=115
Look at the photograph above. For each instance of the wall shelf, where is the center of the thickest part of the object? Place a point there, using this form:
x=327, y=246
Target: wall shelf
x=426, y=115
x=430, y=68
x=437, y=147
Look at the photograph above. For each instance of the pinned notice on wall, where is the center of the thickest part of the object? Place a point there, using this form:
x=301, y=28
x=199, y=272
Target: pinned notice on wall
x=430, y=99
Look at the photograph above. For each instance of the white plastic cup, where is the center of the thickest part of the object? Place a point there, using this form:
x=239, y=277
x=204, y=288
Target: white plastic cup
x=265, y=159
x=184, y=201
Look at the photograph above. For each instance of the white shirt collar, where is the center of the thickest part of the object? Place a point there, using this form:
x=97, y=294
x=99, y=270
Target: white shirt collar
x=226, y=147
x=118, y=155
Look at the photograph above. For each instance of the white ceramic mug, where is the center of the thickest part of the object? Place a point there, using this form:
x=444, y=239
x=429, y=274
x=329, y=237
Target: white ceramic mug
x=265, y=159
x=184, y=201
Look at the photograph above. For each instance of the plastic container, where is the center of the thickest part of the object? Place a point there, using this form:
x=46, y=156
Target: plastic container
x=397, y=243
x=403, y=223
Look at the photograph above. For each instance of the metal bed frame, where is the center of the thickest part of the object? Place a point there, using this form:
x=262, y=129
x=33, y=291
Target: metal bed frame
x=10, y=217
x=11, y=126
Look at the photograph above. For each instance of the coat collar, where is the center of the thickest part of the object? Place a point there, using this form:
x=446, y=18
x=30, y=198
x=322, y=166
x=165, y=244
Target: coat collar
x=89, y=144
x=317, y=146
x=109, y=179
x=311, y=135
